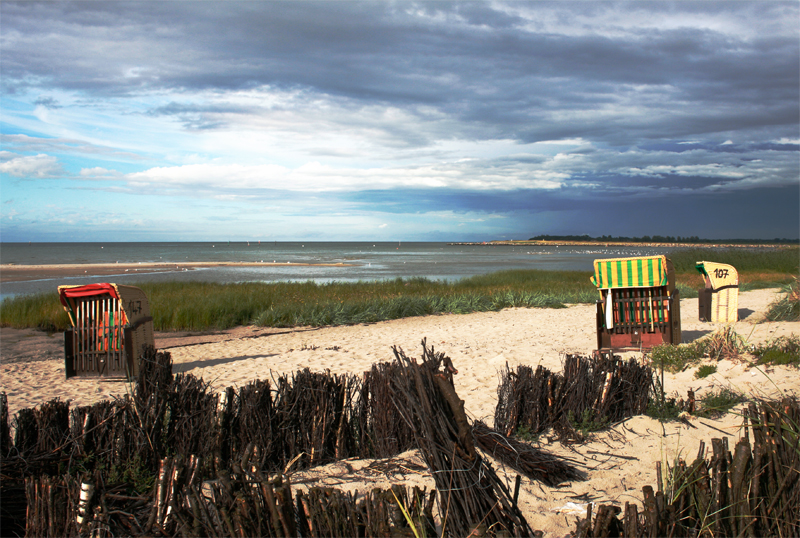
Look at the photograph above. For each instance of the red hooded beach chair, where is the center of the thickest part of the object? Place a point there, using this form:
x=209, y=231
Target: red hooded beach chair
x=110, y=326
x=639, y=306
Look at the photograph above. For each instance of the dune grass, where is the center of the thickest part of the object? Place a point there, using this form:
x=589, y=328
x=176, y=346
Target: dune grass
x=788, y=307
x=201, y=306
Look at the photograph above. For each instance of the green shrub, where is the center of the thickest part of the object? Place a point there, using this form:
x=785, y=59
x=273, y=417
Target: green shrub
x=665, y=411
x=675, y=358
x=705, y=370
x=718, y=403
x=524, y=434
x=781, y=351
x=588, y=421
x=660, y=407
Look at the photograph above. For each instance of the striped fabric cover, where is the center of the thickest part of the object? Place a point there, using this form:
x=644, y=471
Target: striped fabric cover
x=642, y=272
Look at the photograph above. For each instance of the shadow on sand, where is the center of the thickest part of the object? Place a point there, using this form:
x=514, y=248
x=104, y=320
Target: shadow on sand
x=186, y=366
x=691, y=336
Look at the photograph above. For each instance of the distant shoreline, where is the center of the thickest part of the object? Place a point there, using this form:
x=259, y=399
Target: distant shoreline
x=22, y=273
x=548, y=243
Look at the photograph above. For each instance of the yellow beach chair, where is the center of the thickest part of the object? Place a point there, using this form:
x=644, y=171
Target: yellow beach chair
x=639, y=306
x=719, y=300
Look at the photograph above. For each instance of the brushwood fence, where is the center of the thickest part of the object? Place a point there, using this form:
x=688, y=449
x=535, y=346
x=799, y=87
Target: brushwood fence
x=591, y=392
x=177, y=459
x=754, y=491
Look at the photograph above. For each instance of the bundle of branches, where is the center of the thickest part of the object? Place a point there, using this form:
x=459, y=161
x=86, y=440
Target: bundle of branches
x=52, y=506
x=242, y=503
x=522, y=400
x=5, y=431
x=313, y=416
x=192, y=417
x=603, y=389
x=12, y=491
x=591, y=393
x=471, y=496
x=776, y=465
x=249, y=418
x=385, y=512
x=68, y=506
x=331, y=512
x=26, y=432
x=382, y=431
x=52, y=420
x=41, y=434
x=155, y=373
x=527, y=460
x=754, y=492
x=105, y=430
x=151, y=397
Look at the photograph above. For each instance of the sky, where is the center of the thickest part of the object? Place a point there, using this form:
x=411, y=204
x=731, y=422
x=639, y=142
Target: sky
x=398, y=121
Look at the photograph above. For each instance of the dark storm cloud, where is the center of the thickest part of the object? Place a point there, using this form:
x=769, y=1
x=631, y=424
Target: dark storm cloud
x=764, y=214
x=472, y=61
x=47, y=102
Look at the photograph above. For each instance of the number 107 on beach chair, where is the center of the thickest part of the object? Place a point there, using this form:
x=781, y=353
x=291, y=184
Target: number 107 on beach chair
x=639, y=306
x=110, y=326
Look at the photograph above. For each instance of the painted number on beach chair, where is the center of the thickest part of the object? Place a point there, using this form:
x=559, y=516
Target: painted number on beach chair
x=134, y=307
x=721, y=273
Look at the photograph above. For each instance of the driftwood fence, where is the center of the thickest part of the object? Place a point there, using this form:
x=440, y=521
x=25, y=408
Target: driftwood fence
x=751, y=493
x=174, y=458
x=599, y=390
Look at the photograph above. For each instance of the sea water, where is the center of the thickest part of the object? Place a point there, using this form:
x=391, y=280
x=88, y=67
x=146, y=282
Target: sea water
x=361, y=261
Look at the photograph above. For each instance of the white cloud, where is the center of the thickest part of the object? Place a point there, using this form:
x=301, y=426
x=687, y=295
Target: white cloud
x=318, y=177
x=98, y=172
x=33, y=167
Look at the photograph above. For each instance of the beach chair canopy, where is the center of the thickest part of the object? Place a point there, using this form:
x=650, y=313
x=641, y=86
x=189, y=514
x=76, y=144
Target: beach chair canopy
x=640, y=272
x=718, y=276
x=71, y=295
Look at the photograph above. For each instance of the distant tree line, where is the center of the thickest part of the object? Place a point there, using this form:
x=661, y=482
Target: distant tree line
x=657, y=239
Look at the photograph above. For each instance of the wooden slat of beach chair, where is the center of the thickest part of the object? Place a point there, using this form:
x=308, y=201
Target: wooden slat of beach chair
x=118, y=366
x=82, y=337
x=76, y=337
x=91, y=345
x=96, y=324
x=638, y=307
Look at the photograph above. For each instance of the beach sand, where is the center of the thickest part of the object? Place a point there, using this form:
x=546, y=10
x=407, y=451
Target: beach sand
x=619, y=461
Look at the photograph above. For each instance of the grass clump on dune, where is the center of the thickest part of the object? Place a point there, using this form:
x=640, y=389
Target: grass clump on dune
x=717, y=403
x=722, y=344
x=788, y=307
x=705, y=370
x=781, y=351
